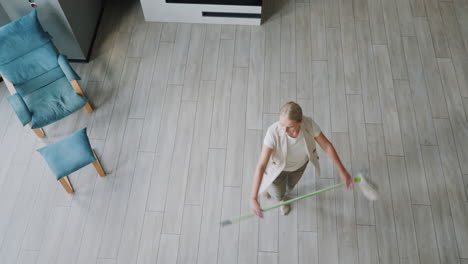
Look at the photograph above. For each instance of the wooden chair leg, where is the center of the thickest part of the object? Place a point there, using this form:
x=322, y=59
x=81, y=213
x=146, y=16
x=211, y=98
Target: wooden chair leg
x=66, y=184
x=88, y=107
x=97, y=165
x=38, y=131
x=80, y=92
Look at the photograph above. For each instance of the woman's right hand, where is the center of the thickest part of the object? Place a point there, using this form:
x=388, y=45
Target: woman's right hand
x=256, y=209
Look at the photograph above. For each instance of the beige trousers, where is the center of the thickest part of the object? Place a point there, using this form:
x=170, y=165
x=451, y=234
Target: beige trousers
x=285, y=182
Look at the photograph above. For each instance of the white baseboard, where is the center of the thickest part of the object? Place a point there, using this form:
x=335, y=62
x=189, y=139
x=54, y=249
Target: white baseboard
x=160, y=11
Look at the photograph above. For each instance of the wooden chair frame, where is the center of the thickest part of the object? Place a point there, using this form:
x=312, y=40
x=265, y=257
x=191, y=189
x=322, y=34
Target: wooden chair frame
x=39, y=131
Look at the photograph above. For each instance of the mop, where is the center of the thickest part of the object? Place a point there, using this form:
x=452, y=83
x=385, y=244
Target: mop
x=367, y=189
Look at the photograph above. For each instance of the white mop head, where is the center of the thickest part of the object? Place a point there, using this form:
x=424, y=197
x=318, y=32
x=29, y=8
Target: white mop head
x=368, y=189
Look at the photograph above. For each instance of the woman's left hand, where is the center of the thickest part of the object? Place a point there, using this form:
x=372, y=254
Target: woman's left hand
x=347, y=179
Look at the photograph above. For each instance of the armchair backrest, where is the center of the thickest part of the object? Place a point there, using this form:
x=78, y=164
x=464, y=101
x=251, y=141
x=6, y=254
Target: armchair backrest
x=28, y=58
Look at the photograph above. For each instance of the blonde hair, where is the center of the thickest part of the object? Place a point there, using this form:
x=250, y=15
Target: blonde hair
x=292, y=111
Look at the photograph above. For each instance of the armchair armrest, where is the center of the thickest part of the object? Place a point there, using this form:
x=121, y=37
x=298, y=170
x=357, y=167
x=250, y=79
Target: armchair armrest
x=20, y=108
x=67, y=69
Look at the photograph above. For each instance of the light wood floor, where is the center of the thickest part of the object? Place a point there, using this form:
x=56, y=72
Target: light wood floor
x=181, y=111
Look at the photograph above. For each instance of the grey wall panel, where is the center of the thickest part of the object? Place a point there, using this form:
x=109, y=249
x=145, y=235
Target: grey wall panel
x=83, y=17
x=71, y=23
x=4, y=18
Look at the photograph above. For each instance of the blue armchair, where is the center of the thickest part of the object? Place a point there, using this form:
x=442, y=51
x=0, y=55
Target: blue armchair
x=42, y=84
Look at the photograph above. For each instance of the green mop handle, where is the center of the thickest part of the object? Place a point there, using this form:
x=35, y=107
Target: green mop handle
x=242, y=217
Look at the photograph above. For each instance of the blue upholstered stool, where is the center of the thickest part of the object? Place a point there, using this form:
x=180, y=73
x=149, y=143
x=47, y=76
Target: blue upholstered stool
x=69, y=155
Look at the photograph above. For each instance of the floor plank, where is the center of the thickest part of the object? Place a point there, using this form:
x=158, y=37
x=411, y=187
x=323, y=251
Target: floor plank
x=248, y=232
x=439, y=38
x=453, y=181
x=135, y=215
x=242, y=46
x=179, y=58
x=457, y=114
x=431, y=71
x=327, y=235
x=388, y=106
x=456, y=45
x=28, y=257
x=168, y=249
x=145, y=73
x=405, y=17
x=209, y=232
x=39, y=217
x=156, y=98
x=150, y=238
x=352, y=78
x=377, y=23
x=11, y=186
x=359, y=159
x=425, y=234
x=338, y=110
x=267, y=257
x=164, y=148
x=308, y=252
x=288, y=87
x=256, y=78
x=236, y=128
x=199, y=151
x=210, y=52
x=303, y=51
x=55, y=233
x=10, y=251
x=287, y=237
x=179, y=169
x=360, y=10
x=229, y=235
x=417, y=6
x=406, y=235
x=346, y=216
x=109, y=93
x=418, y=93
x=115, y=128
x=194, y=63
x=320, y=112
x=367, y=244
x=414, y=163
x=189, y=235
x=118, y=204
x=137, y=40
x=318, y=30
x=288, y=36
x=383, y=207
x=332, y=13
x=228, y=31
x=169, y=32
x=440, y=205
x=220, y=118
x=395, y=45
x=370, y=91
x=271, y=95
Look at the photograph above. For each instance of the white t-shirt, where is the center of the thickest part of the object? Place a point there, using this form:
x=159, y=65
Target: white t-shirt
x=297, y=148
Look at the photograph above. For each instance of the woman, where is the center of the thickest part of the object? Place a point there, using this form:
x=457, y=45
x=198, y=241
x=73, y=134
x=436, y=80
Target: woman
x=288, y=146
